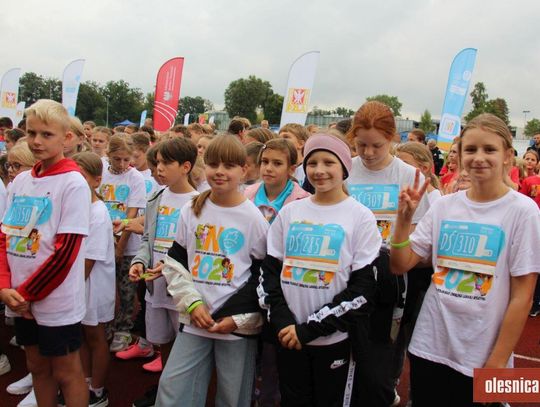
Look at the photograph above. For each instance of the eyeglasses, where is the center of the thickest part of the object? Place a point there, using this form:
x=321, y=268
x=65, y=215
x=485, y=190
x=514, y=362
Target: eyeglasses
x=15, y=166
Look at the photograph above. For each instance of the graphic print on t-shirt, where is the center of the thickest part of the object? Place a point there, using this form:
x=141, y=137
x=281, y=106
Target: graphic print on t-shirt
x=467, y=254
x=213, y=247
x=21, y=222
x=167, y=224
x=382, y=200
x=115, y=197
x=312, y=254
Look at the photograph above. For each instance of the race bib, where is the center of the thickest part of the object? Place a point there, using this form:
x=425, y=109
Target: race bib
x=314, y=247
x=24, y=214
x=166, y=225
x=381, y=199
x=467, y=246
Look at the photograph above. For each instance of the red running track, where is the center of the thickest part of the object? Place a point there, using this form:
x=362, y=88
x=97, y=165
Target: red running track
x=127, y=381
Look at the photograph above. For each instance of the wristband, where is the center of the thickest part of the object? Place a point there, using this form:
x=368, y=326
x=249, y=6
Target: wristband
x=193, y=306
x=400, y=245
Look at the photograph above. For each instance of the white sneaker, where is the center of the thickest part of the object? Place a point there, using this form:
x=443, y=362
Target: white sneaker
x=120, y=342
x=397, y=399
x=29, y=400
x=4, y=364
x=13, y=342
x=22, y=386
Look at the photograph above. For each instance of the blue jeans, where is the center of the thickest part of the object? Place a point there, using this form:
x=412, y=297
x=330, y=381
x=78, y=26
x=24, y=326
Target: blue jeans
x=185, y=378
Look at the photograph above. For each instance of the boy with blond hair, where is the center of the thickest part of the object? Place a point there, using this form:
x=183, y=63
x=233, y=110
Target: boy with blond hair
x=42, y=258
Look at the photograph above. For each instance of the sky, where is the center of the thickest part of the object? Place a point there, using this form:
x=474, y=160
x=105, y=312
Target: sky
x=396, y=47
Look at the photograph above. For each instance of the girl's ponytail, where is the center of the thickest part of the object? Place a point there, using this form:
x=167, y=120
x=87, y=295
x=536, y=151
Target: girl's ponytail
x=198, y=201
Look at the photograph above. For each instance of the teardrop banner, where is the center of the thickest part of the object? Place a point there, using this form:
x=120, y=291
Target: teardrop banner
x=169, y=79
x=71, y=80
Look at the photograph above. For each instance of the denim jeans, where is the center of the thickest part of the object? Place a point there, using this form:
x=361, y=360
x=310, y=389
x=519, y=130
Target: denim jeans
x=185, y=378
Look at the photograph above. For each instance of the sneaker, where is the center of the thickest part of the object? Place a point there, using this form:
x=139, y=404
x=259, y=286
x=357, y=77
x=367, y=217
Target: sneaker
x=95, y=401
x=137, y=351
x=121, y=341
x=149, y=399
x=22, y=386
x=29, y=400
x=155, y=366
x=4, y=364
x=13, y=342
x=535, y=310
x=397, y=399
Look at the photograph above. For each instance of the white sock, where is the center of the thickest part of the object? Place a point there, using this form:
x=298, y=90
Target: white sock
x=98, y=392
x=143, y=343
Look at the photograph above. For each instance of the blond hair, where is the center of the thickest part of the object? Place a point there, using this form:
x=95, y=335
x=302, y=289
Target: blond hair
x=421, y=154
x=21, y=152
x=49, y=111
x=89, y=162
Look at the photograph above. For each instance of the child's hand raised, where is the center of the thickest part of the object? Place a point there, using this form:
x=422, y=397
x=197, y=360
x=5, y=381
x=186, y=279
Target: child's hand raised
x=152, y=274
x=410, y=197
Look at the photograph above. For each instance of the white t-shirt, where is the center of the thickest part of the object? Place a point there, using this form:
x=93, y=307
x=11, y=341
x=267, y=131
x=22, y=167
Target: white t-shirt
x=100, y=285
x=3, y=199
x=433, y=196
x=203, y=186
x=42, y=208
x=151, y=186
x=220, y=245
x=462, y=311
x=120, y=192
x=320, y=246
x=379, y=191
x=166, y=230
x=300, y=174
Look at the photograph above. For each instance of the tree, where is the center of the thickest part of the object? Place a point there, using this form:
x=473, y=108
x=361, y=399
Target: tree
x=33, y=87
x=499, y=108
x=531, y=128
x=123, y=101
x=90, y=102
x=479, y=98
x=194, y=106
x=344, y=112
x=274, y=106
x=391, y=101
x=244, y=96
x=149, y=104
x=426, y=122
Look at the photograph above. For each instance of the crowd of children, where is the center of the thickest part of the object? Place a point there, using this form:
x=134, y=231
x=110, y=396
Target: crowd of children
x=301, y=268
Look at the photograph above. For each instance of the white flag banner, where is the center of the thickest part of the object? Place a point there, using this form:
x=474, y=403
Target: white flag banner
x=9, y=94
x=71, y=80
x=299, y=89
x=212, y=120
x=186, y=119
x=20, y=112
x=143, y=118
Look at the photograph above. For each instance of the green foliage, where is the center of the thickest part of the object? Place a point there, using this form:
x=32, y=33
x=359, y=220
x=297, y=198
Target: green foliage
x=531, y=128
x=274, y=106
x=194, y=106
x=91, y=104
x=338, y=111
x=33, y=87
x=499, y=108
x=481, y=104
x=426, y=122
x=391, y=101
x=124, y=102
x=244, y=96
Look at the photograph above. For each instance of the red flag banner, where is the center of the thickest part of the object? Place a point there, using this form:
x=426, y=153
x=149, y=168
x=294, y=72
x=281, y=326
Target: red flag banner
x=169, y=79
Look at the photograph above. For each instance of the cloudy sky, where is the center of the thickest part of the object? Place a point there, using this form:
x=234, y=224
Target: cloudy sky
x=402, y=48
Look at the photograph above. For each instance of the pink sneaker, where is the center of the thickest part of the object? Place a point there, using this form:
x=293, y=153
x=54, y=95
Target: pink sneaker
x=136, y=351
x=155, y=365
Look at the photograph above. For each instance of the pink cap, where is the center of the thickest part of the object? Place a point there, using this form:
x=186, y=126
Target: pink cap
x=332, y=144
